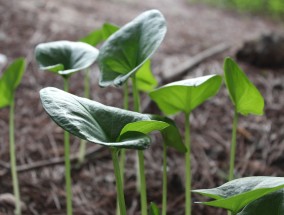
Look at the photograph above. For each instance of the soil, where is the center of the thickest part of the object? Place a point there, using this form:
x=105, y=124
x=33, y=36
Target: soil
x=191, y=29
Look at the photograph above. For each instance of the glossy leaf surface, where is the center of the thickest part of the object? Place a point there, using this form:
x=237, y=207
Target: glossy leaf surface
x=244, y=95
x=238, y=193
x=10, y=80
x=65, y=57
x=95, y=122
x=272, y=204
x=154, y=210
x=98, y=36
x=146, y=81
x=186, y=95
x=127, y=50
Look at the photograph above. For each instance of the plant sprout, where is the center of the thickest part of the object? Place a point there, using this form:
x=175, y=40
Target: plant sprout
x=121, y=56
x=94, y=38
x=239, y=193
x=8, y=85
x=184, y=96
x=104, y=125
x=65, y=58
x=245, y=98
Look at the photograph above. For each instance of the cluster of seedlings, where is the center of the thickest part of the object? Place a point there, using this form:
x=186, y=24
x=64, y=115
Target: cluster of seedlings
x=124, y=57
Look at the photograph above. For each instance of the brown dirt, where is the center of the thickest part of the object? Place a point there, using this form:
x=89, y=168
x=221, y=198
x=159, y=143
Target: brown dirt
x=191, y=29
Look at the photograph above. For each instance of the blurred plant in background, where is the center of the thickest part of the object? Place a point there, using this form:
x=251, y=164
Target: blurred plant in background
x=270, y=7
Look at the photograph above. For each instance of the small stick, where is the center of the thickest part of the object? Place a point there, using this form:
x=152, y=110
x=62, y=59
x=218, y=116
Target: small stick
x=47, y=163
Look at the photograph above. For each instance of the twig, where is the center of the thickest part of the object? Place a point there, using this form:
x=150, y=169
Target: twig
x=51, y=162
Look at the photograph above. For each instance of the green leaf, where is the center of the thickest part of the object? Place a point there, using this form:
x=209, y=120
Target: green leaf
x=10, y=80
x=238, y=193
x=65, y=57
x=130, y=47
x=154, y=210
x=272, y=204
x=244, y=95
x=144, y=127
x=100, y=35
x=171, y=134
x=146, y=81
x=95, y=122
x=185, y=95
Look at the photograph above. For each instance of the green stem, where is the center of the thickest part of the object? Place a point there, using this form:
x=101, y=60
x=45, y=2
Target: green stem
x=233, y=146
x=67, y=163
x=83, y=143
x=143, y=194
x=13, y=159
x=187, y=166
x=122, y=152
x=141, y=171
x=136, y=95
x=164, y=201
x=119, y=186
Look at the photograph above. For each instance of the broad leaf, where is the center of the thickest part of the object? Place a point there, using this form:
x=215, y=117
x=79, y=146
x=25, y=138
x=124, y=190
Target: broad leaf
x=100, y=35
x=272, y=204
x=130, y=47
x=144, y=127
x=95, y=122
x=10, y=80
x=146, y=81
x=186, y=95
x=244, y=95
x=238, y=193
x=154, y=210
x=65, y=57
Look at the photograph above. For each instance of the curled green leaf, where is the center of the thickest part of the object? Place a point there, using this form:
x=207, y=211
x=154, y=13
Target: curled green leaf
x=238, y=193
x=125, y=51
x=244, y=95
x=10, y=80
x=98, y=123
x=65, y=57
x=186, y=95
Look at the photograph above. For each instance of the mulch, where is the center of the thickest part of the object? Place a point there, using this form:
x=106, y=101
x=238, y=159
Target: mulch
x=192, y=28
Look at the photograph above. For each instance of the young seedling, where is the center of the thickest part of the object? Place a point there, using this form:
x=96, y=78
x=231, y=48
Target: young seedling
x=241, y=193
x=121, y=56
x=104, y=125
x=8, y=85
x=184, y=96
x=245, y=98
x=94, y=38
x=65, y=58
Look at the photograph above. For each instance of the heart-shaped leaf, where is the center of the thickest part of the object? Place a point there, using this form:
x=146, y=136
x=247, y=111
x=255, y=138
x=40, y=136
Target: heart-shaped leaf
x=238, y=193
x=146, y=81
x=244, y=95
x=127, y=50
x=95, y=122
x=154, y=210
x=272, y=204
x=10, y=80
x=100, y=35
x=65, y=57
x=186, y=95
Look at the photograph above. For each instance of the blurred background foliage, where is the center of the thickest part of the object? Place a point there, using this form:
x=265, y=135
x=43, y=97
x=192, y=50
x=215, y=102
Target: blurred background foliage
x=269, y=7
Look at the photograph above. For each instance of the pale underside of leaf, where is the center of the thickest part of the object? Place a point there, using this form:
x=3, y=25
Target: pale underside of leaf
x=96, y=122
x=236, y=194
x=65, y=57
x=130, y=47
